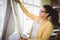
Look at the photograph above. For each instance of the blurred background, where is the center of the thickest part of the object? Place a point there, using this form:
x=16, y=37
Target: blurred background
x=12, y=19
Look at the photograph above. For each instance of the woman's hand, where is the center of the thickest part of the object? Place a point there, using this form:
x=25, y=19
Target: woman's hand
x=17, y=1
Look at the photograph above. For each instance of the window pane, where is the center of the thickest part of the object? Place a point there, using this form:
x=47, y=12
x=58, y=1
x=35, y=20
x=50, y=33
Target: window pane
x=37, y=2
x=29, y=1
x=27, y=21
x=33, y=6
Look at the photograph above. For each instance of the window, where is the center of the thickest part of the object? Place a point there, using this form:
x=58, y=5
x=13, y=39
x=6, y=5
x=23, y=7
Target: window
x=33, y=6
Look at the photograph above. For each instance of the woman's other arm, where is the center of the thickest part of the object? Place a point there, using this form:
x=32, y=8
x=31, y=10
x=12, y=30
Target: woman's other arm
x=33, y=17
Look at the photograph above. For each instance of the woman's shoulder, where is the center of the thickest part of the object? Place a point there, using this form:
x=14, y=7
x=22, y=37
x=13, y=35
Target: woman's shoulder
x=49, y=23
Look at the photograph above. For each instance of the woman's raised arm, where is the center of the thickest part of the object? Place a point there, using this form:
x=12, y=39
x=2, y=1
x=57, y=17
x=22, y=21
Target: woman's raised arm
x=33, y=17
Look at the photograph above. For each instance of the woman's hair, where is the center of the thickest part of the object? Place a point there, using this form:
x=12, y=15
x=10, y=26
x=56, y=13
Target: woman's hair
x=53, y=13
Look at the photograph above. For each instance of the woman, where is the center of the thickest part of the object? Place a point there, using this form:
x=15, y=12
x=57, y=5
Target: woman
x=42, y=27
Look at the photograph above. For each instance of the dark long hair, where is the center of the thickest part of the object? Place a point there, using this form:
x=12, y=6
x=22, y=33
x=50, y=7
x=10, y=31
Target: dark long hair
x=53, y=13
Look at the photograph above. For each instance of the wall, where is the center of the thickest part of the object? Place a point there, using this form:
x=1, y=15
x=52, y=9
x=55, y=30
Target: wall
x=48, y=2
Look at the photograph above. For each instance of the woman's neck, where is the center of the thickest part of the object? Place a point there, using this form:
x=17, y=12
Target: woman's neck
x=42, y=20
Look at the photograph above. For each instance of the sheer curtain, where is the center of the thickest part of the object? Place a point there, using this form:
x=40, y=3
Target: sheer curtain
x=33, y=6
x=24, y=23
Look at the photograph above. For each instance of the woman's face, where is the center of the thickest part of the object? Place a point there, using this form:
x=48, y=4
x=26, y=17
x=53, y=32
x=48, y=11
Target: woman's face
x=43, y=13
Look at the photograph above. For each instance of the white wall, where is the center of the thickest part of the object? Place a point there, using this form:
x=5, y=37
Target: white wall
x=2, y=15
